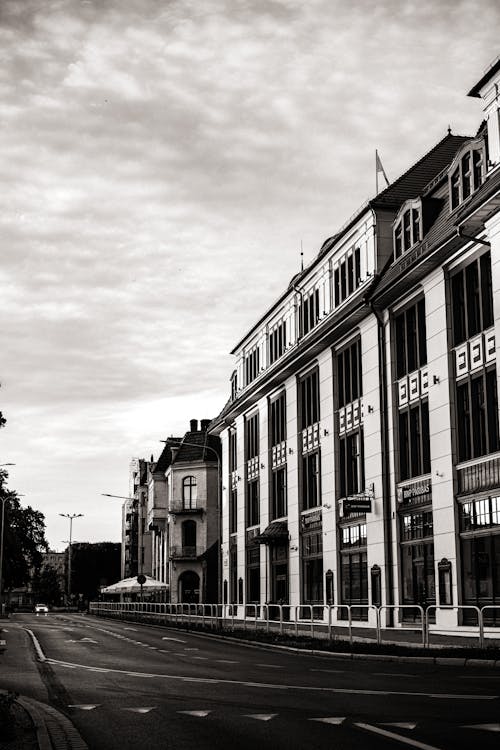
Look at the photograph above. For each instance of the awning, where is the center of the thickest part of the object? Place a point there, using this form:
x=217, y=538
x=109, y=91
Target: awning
x=277, y=531
x=130, y=586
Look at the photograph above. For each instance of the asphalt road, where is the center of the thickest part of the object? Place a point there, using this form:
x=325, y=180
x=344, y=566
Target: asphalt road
x=132, y=686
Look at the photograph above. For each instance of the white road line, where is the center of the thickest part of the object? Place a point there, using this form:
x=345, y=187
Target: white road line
x=399, y=724
x=38, y=648
x=134, y=629
x=274, y=686
x=270, y=666
x=330, y=671
x=144, y=710
x=84, y=706
x=261, y=717
x=394, y=736
x=486, y=727
x=335, y=720
x=177, y=640
x=199, y=714
x=226, y=661
x=200, y=658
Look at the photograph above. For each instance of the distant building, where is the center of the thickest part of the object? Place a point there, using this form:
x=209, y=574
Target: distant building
x=360, y=445
x=58, y=562
x=136, y=539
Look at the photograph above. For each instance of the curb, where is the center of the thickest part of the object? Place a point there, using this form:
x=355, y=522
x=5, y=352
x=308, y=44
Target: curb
x=54, y=731
x=451, y=661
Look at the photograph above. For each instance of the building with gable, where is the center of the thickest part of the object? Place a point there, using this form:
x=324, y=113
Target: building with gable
x=360, y=444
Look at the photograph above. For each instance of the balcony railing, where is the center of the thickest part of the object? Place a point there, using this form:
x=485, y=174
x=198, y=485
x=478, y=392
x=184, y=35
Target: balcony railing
x=192, y=506
x=182, y=552
x=482, y=475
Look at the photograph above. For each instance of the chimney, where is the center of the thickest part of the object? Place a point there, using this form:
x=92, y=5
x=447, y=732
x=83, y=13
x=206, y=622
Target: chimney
x=204, y=424
x=193, y=425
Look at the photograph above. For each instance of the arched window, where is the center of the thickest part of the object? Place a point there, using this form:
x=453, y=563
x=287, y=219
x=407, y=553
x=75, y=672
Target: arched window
x=189, y=492
x=466, y=172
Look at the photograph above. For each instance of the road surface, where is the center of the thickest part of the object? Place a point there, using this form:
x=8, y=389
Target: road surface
x=126, y=686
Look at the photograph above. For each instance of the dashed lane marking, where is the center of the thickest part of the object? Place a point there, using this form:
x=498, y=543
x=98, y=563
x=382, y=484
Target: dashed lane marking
x=201, y=658
x=261, y=717
x=226, y=661
x=274, y=686
x=191, y=649
x=330, y=671
x=177, y=640
x=141, y=710
x=84, y=706
x=134, y=629
x=198, y=714
x=335, y=720
x=270, y=666
x=394, y=736
x=485, y=727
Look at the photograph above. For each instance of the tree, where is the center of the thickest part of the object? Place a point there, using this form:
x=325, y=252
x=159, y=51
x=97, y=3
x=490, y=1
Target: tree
x=24, y=538
x=93, y=566
x=46, y=586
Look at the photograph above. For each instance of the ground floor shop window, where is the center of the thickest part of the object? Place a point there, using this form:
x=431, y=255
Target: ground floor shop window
x=279, y=573
x=480, y=548
x=253, y=574
x=418, y=585
x=354, y=571
x=233, y=575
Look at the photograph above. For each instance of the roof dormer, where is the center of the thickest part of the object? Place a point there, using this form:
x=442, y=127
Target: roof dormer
x=488, y=89
x=407, y=229
x=466, y=172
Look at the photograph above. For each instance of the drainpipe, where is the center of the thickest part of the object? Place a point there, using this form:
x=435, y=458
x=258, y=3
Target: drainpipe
x=386, y=499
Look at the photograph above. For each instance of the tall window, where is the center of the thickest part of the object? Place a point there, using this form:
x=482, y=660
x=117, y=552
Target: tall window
x=410, y=339
x=354, y=568
x=189, y=537
x=252, y=365
x=414, y=441
x=309, y=399
x=233, y=511
x=477, y=415
x=278, y=496
x=253, y=503
x=472, y=299
x=233, y=463
x=351, y=479
x=310, y=481
x=253, y=574
x=349, y=376
x=309, y=311
x=347, y=275
x=312, y=561
x=252, y=436
x=277, y=342
x=189, y=492
x=278, y=419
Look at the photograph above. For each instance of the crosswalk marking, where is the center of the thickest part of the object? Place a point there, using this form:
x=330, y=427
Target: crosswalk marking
x=261, y=717
x=199, y=714
x=335, y=720
x=486, y=727
x=399, y=724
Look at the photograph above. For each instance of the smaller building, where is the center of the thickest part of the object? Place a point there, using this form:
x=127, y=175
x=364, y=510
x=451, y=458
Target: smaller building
x=193, y=481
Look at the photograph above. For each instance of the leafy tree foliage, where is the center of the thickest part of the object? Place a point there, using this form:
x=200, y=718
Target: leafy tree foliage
x=46, y=586
x=24, y=538
x=93, y=566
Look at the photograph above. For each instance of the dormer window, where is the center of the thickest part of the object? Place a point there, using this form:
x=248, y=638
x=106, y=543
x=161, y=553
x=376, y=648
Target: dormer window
x=466, y=174
x=408, y=227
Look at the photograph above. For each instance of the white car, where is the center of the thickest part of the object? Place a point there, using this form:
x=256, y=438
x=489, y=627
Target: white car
x=41, y=609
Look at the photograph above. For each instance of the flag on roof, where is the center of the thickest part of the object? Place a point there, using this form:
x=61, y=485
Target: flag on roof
x=379, y=168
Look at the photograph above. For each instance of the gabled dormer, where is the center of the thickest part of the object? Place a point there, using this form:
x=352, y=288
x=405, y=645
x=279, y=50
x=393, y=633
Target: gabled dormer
x=407, y=229
x=467, y=172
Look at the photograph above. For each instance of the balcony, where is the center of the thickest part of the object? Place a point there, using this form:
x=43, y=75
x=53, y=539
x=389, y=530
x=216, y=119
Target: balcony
x=479, y=475
x=180, y=508
x=178, y=552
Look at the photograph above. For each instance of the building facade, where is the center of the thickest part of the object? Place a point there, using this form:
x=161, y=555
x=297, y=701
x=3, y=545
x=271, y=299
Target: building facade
x=192, y=487
x=360, y=444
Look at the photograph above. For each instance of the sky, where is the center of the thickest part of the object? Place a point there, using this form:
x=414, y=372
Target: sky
x=163, y=162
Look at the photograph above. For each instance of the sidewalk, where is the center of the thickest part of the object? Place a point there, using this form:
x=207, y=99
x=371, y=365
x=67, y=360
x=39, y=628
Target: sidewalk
x=36, y=725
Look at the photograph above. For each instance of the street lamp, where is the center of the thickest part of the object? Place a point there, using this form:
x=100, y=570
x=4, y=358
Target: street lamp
x=219, y=502
x=71, y=516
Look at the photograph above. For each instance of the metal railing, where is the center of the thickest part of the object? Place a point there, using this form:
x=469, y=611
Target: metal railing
x=335, y=621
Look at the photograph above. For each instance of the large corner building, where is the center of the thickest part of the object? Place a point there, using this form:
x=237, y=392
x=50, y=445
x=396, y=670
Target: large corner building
x=360, y=444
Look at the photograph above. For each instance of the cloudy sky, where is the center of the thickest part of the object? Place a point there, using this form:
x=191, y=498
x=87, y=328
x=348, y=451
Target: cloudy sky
x=162, y=162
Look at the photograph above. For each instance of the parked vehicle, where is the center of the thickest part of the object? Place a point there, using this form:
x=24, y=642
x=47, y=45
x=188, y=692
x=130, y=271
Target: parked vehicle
x=41, y=609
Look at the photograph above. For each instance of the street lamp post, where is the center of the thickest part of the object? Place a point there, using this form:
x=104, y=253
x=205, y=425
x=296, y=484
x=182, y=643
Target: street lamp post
x=71, y=516
x=219, y=504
